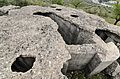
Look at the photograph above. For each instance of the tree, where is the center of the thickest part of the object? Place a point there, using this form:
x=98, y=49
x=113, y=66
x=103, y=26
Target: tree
x=117, y=12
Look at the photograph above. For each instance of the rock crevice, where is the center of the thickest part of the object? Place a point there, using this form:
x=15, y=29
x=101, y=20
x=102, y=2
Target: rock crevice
x=59, y=38
x=71, y=32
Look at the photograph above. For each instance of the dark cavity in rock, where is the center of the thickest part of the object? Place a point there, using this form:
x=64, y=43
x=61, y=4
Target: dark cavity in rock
x=108, y=36
x=53, y=6
x=101, y=34
x=75, y=16
x=59, y=9
x=71, y=33
x=22, y=64
x=3, y=13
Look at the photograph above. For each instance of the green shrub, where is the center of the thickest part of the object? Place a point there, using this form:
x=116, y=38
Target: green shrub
x=38, y=2
x=116, y=12
x=81, y=75
x=60, y=2
x=76, y=3
x=21, y=3
x=3, y=3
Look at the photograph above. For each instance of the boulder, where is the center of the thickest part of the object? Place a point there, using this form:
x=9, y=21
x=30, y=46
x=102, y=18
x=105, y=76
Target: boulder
x=39, y=42
x=31, y=48
x=5, y=9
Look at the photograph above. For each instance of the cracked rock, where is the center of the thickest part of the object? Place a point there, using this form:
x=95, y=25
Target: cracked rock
x=5, y=9
x=45, y=42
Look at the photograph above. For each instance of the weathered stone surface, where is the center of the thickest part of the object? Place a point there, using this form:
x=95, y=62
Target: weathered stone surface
x=102, y=60
x=113, y=69
x=50, y=35
x=5, y=9
x=117, y=76
x=98, y=1
x=81, y=55
x=32, y=36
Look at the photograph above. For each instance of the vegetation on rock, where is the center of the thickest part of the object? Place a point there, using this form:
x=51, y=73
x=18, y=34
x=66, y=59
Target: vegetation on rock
x=81, y=75
x=117, y=12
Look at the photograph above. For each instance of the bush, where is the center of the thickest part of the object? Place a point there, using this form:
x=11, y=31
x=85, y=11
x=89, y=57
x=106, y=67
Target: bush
x=37, y=2
x=116, y=13
x=60, y=2
x=76, y=3
x=3, y=3
x=21, y=3
x=81, y=75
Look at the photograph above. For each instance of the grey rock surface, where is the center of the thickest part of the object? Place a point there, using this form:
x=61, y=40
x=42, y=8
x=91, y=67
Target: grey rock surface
x=81, y=55
x=98, y=1
x=102, y=60
x=5, y=9
x=113, y=69
x=117, y=76
x=52, y=36
x=32, y=36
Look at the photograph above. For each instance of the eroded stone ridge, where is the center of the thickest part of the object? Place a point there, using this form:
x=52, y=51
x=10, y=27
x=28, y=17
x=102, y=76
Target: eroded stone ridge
x=46, y=42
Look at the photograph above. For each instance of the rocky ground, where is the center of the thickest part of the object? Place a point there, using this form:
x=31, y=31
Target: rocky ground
x=45, y=42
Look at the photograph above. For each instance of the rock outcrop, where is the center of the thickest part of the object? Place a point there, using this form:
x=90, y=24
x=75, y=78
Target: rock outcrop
x=5, y=9
x=46, y=42
x=98, y=1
